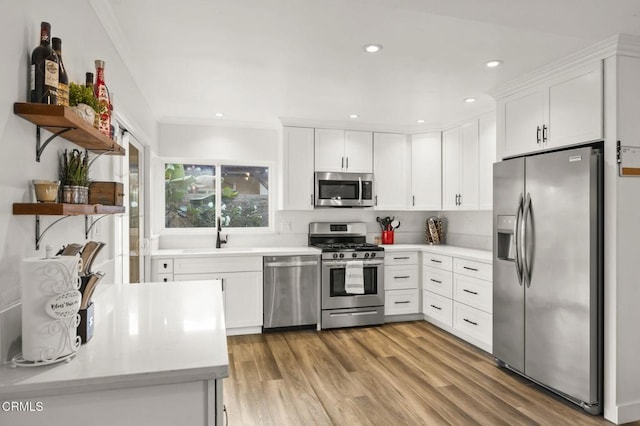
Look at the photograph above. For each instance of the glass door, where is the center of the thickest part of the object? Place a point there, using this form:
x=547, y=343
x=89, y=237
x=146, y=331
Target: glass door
x=136, y=211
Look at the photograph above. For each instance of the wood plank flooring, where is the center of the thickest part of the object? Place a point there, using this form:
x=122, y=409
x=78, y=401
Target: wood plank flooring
x=398, y=374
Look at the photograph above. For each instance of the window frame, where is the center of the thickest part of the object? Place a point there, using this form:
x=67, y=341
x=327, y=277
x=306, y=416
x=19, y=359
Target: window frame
x=269, y=229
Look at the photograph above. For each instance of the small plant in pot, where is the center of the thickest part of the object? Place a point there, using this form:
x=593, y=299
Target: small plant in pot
x=74, y=177
x=84, y=103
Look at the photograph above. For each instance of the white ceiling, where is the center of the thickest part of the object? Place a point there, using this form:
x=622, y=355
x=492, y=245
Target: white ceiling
x=258, y=61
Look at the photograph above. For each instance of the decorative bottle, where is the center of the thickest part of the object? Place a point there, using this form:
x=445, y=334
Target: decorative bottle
x=63, y=79
x=44, y=69
x=88, y=82
x=102, y=93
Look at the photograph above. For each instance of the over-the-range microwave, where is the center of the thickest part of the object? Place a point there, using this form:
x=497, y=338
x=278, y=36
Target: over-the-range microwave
x=334, y=189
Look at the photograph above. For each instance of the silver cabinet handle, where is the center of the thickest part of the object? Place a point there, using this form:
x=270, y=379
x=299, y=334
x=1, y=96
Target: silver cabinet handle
x=402, y=277
x=311, y=199
x=413, y=200
x=342, y=164
x=436, y=281
x=401, y=258
x=403, y=302
x=165, y=265
x=375, y=200
x=470, y=322
x=545, y=130
x=470, y=269
x=436, y=307
x=347, y=163
x=538, y=135
x=469, y=291
x=436, y=260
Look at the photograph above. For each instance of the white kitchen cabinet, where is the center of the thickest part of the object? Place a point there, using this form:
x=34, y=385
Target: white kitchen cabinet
x=401, y=281
x=426, y=171
x=298, y=168
x=343, y=151
x=565, y=110
x=486, y=158
x=460, y=167
x=391, y=171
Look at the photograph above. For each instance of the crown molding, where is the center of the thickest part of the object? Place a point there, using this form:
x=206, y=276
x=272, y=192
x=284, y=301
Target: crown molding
x=619, y=44
x=219, y=122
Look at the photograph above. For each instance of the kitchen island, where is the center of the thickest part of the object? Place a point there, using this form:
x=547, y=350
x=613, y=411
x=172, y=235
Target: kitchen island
x=158, y=356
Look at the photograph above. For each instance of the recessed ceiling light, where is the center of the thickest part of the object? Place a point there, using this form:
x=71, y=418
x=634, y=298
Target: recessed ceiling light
x=469, y=100
x=219, y=114
x=420, y=121
x=354, y=116
x=372, y=48
x=493, y=63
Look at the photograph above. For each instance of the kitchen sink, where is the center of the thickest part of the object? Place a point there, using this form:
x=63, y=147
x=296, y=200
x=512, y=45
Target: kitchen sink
x=224, y=249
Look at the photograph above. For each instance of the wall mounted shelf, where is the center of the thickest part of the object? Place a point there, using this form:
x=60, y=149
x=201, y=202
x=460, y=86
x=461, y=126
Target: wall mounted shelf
x=64, y=122
x=65, y=210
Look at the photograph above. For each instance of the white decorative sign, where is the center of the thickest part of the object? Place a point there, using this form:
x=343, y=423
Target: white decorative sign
x=64, y=305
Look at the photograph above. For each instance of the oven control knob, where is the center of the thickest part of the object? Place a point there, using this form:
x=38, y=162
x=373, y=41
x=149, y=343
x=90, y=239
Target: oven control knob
x=366, y=255
x=354, y=255
x=335, y=255
x=341, y=255
x=373, y=255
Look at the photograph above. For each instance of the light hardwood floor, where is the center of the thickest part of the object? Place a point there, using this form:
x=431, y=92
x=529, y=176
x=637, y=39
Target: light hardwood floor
x=398, y=374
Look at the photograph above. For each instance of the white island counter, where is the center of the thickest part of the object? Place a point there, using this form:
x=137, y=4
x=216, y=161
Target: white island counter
x=157, y=356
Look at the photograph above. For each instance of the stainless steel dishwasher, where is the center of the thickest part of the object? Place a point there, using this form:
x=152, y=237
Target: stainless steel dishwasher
x=291, y=291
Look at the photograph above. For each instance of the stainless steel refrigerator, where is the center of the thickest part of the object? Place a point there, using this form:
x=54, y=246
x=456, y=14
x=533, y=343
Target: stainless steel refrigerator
x=547, y=249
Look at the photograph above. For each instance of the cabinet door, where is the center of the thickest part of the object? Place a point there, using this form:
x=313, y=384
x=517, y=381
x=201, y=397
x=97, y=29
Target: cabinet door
x=524, y=114
x=329, y=150
x=469, y=166
x=391, y=169
x=358, y=151
x=426, y=171
x=486, y=158
x=243, y=299
x=450, y=168
x=576, y=108
x=298, y=168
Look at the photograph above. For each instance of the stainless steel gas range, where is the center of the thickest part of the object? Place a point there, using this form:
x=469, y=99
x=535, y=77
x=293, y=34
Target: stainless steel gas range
x=344, y=249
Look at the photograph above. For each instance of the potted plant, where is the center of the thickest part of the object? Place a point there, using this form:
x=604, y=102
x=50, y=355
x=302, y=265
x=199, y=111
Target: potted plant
x=84, y=103
x=74, y=177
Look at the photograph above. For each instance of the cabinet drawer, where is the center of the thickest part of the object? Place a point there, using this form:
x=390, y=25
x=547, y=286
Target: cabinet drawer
x=401, y=258
x=473, y=292
x=204, y=265
x=400, y=277
x=475, y=323
x=483, y=271
x=437, y=307
x=437, y=261
x=164, y=266
x=164, y=278
x=399, y=302
x=438, y=281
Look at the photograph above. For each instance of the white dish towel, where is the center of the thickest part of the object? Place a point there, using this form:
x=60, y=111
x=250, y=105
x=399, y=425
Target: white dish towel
x=354, y=277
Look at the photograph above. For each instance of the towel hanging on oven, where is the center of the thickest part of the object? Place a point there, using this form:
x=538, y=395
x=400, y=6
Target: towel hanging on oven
x=354, y=277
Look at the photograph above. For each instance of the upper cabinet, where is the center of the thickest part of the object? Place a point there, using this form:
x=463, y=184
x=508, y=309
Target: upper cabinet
x=564, y=111
x=486, y=158
x=297, y=175
x=426, y=171
x=460, y=167
x=392, y=159
x=343, y=151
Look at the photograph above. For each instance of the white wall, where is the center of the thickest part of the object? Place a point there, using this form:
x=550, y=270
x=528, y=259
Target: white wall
x=83, y=41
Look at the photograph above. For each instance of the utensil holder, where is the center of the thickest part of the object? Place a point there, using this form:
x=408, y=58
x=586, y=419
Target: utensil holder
x=387, y=237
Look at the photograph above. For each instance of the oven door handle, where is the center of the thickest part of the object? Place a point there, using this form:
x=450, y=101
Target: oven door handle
x=341, y=263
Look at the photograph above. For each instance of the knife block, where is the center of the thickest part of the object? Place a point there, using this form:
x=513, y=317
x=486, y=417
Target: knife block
x=85, y=328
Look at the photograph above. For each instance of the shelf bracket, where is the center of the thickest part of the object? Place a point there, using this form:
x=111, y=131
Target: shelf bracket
x=99, y=155
x=39, y=235
x=88, y=227
x=41, y=146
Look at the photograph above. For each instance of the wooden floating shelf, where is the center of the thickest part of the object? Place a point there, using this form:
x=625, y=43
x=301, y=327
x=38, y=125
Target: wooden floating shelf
x=61, y=209
x=56, y=117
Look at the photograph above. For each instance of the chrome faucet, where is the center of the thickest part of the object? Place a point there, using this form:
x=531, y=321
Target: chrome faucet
x=220, y=241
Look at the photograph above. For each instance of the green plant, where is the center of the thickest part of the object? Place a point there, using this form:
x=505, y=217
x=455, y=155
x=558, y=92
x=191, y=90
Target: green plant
x=84, y=95
x=74, y=168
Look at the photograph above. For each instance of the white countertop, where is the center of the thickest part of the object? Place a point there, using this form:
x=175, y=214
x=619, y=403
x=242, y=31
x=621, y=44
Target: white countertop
x=145, y=334
x=462, y=252
x=236, y=251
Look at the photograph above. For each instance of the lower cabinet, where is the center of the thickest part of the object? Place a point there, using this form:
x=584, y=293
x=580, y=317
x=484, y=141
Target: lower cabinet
x=457, y=295
x=401, y=282
x=241, y=285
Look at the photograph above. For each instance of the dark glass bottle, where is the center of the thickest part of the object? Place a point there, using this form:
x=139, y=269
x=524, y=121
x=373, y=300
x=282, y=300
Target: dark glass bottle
x=89, y=80
x=44, y=69
x=63, y=79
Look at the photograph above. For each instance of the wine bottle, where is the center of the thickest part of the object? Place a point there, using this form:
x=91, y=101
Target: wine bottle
x=88, y=82
x=63, y=79
x=102, y=93
x=44, y=69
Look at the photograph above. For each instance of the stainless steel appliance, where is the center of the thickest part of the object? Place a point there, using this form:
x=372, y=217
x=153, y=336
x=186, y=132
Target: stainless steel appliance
x=343, y=189
x=547, y=269
x=343, y=244
x=291, y=291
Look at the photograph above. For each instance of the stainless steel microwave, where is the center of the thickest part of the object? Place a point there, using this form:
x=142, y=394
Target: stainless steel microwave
x=343, y=189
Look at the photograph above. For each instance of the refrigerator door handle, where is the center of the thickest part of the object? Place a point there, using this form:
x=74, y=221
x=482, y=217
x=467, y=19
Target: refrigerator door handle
x=516, y=232
x=526, y=272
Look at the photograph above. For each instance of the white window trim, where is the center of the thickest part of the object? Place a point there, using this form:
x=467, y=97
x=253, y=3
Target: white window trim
x=270, y=229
